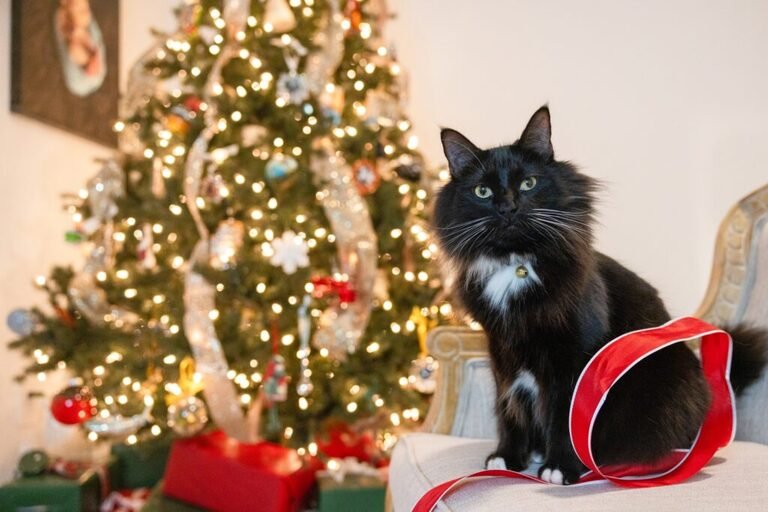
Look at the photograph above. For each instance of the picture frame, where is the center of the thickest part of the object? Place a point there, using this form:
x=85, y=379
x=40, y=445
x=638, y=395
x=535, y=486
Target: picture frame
x=65, y=65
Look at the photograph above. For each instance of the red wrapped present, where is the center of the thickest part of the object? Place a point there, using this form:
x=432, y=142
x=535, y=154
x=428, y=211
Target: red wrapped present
x=216, y=472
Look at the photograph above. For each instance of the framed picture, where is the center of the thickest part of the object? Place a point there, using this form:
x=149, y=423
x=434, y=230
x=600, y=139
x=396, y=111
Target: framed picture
x=64, y=64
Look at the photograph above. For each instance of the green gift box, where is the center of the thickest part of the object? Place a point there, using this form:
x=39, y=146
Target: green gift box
x=52, y=493
x=142, y=464
x=356, y=493
x=157, y=502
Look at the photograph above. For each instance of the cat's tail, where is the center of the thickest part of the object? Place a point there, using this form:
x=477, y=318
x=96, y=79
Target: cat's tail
x=750, y=355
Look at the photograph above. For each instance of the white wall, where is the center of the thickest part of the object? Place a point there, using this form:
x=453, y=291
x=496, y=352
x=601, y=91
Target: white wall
x=665, y=101
x=37, y=164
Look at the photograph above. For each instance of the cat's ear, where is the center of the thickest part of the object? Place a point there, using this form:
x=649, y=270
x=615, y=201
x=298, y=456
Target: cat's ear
x=537, y=135
x=459, y=151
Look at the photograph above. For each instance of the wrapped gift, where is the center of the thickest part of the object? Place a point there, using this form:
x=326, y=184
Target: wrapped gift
x=355, y=492
x=142, y=464
x=51, y=492
x=217, y=472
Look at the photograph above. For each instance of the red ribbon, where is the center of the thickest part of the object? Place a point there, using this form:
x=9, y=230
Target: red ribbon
x=601, y=373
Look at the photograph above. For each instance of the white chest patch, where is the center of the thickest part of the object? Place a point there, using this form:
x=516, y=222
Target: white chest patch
x=503, y=279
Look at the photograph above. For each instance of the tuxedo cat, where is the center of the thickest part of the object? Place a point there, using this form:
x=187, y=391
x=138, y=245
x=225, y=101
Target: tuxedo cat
x=516, y=226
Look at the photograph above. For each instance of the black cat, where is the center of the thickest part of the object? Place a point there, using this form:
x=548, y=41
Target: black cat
x=516, y=226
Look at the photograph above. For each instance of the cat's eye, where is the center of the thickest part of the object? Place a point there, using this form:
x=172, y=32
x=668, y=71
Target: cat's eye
x=528, y=183
x=483, y=192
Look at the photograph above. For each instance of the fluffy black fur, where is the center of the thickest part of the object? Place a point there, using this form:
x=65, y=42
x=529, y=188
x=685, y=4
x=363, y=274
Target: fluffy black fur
x=580, y=300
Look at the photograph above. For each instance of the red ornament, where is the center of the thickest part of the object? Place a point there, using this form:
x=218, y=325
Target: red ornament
x=193, y=103
x=367, y=177
x=73, y=405
x=64, y=316
x=324, y=286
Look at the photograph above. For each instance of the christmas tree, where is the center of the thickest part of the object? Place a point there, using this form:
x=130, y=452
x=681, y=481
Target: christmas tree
x=257, y=249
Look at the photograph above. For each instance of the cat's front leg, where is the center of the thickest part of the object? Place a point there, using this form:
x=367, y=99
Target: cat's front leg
x=561, y=464
x=515, y=442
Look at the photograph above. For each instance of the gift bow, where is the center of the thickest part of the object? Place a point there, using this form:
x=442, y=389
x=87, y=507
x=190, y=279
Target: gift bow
x=601, y=373
x=338, y=469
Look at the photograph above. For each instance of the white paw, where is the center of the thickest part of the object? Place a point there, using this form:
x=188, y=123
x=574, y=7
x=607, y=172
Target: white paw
x=537, y=457
x=496, y=463
x=552, y=476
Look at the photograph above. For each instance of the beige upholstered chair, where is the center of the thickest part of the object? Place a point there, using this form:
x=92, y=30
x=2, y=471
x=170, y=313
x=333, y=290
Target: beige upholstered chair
x=460, y=429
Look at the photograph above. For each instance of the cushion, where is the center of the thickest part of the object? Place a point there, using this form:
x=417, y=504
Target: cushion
x=733, y=480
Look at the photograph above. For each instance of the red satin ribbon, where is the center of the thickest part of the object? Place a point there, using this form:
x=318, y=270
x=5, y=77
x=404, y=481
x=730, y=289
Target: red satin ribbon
x=601, y=373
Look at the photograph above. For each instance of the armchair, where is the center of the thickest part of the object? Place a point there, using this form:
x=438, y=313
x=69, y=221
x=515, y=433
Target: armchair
x=460, y=430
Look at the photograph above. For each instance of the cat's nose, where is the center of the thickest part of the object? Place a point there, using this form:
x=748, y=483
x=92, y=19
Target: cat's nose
x=507, y=207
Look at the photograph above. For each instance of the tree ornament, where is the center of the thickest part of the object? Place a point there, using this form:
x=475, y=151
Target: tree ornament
x=332, y=104
x=252, y=134
x=104, y=189
x=381, y=108
x=193, y=103
x=280, y=166
x=304, y=387
x=145, y=251
x=33, y=463
x=21, y=321
x=408, y=168
x=354, y=14
x=292, y=87
x=189, y=16
x=280, y=15
x=213, y=188
x=422, y=374
x=367, y=177
x=225, y=243
x=177, y=125
x=116, y=425
x=275, y=380
x=73, y=405
x=323, y=287
x=290, y=252
x=187, y=416
x=235, y=14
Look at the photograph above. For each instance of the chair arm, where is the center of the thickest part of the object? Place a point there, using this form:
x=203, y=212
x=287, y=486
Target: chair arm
x=452, y=347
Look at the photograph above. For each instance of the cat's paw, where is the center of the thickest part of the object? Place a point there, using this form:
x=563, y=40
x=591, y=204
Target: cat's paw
x=495, y=463
x=558, y=474
x=497, y=460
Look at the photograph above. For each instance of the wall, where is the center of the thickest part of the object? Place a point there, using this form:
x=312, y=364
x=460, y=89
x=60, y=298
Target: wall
x=37, y=165
x=664, y=101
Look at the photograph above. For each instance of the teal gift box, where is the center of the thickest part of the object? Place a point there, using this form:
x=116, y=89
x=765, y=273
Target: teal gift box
x=52, y=493
x=142, y=464
x=356, y=493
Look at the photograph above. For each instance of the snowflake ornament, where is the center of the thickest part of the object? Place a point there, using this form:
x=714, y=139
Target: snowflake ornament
x=290, y=252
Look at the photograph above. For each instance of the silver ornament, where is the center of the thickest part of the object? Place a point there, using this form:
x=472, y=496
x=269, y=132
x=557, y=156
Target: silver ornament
x=422, y=375
x=21, y=321
x=225, y=243
x=292, y=88
x=187, y=416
